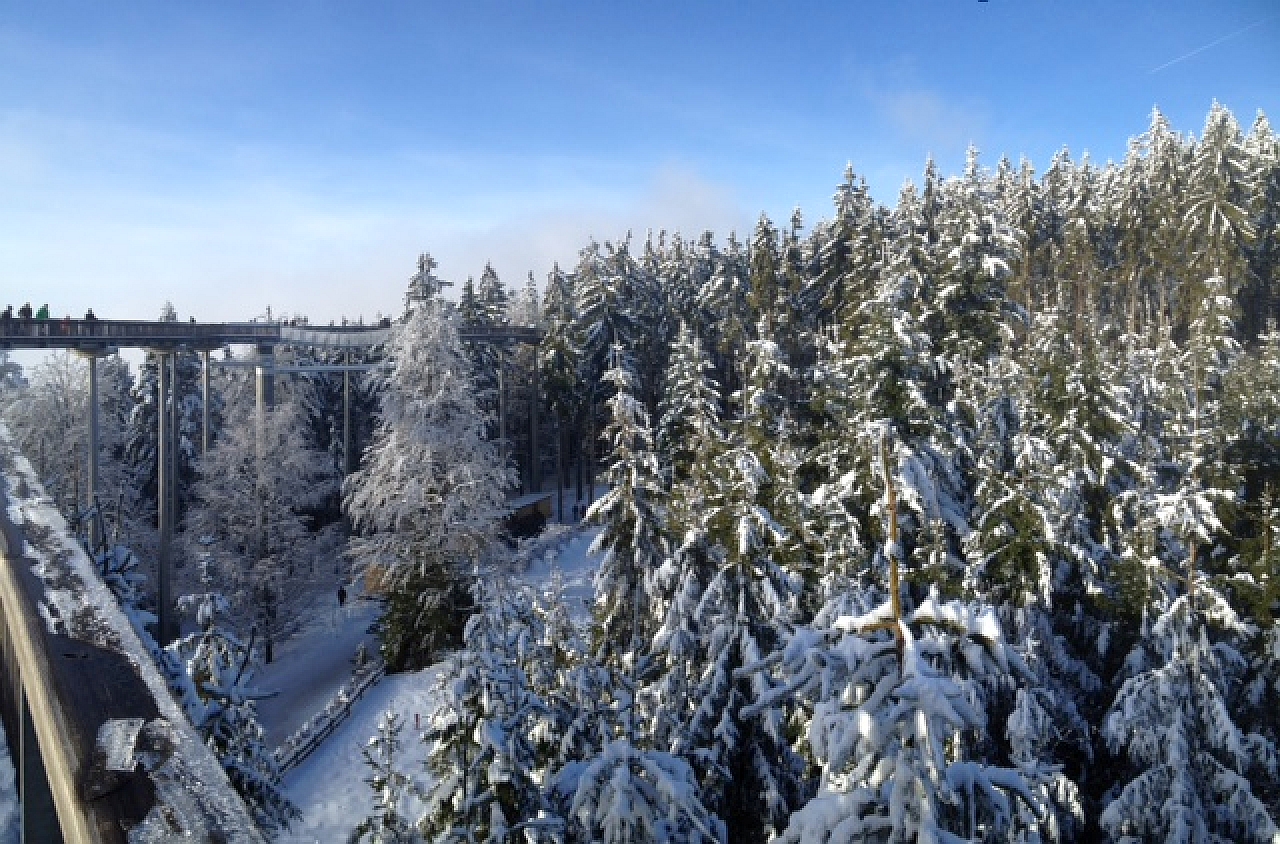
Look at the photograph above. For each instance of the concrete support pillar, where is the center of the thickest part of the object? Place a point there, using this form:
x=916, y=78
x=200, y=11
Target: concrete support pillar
x=502, y=410
x=164, y=512
x=266, y=379
x=175, y=441
x=265, y=394
x=204, y=403
x=535, y=401
x=91, y=494
x=348, y=462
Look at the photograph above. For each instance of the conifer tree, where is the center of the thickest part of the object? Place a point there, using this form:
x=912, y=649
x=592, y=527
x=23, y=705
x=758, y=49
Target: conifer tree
x=392, y=789
x=894, y=696
x=427, y=500
x=216, y=694
x=633, y=539
x=481, y=752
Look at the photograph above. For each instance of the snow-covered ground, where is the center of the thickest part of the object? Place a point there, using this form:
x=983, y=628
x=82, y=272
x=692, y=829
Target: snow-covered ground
x=329, y=785
x=310, y=667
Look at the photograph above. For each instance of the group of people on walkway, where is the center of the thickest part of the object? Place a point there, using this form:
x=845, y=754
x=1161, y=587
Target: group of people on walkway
x=25, y=315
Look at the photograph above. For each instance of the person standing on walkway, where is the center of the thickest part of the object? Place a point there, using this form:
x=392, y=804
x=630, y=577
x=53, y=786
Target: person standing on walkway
x=43, y=313
x=25, y=311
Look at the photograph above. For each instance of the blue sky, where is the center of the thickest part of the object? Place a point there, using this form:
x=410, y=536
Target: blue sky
x=229, y=156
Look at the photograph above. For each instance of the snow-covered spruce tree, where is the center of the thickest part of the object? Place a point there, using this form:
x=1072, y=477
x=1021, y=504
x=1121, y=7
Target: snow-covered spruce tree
x=559, y=356
x=726, y=296
x=749, y=776
x=141, y=440
x=494, y=298
x=692, y=440
x=626, y=795
x=430, y=493
x=1262, y=148
x=689, y=428
x=252, y=510
x=876, y=366
x=896, y=703
x=633, y=538
x=1250, y=422
x=1194, y=767
x=970, y=322
x=482, y=753
x=1191, y=767
x=216, y=694
x=394, y=791
x=846, y=255
x=1217, y=225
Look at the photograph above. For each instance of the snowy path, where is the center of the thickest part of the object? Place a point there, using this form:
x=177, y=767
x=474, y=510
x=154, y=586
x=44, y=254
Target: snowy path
x=329, y=785
x=311, y=666
x=577, y=569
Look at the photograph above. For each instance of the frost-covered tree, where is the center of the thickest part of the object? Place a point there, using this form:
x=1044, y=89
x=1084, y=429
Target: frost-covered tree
x=482, y=754
x=494, y=300
x=633, y=538
x=896, y=703
x=628, y=796
x=216, y=692
x=749, y=776
x=394, y=790
x=253, y=511
x=427, y=501
x=1194, y=770
x=142, y=440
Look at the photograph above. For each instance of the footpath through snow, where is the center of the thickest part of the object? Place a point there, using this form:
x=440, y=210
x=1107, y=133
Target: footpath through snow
x=310, y=667
x=329, y=786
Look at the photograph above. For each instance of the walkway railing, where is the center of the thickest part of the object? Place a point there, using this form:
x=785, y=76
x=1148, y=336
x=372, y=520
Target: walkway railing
x=309, y=736
x=103, y=752
x=102, y=333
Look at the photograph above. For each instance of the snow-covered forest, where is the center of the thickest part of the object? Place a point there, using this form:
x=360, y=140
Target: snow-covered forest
x=951, y=520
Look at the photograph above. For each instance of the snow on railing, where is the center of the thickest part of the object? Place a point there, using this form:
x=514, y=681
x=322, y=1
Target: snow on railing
x=320, y=726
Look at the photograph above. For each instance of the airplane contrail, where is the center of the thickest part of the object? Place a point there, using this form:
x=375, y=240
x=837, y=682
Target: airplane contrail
x=1198, y=50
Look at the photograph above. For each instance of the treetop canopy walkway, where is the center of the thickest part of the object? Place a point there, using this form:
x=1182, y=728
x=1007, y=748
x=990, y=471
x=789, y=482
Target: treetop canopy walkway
x=95, y=335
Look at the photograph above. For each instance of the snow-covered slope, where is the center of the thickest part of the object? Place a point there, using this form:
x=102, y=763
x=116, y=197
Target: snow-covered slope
x=329, y=785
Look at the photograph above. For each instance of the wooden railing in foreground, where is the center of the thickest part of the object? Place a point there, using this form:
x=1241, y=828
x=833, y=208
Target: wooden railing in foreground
x=102, y=751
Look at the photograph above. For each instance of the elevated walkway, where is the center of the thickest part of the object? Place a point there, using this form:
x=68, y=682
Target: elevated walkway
x=97, y=336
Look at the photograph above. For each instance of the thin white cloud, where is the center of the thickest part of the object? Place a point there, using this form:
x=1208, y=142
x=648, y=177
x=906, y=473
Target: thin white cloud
x=231, y=258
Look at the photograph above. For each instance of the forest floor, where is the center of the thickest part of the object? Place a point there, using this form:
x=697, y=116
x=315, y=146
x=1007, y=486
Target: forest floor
x=329, y=786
